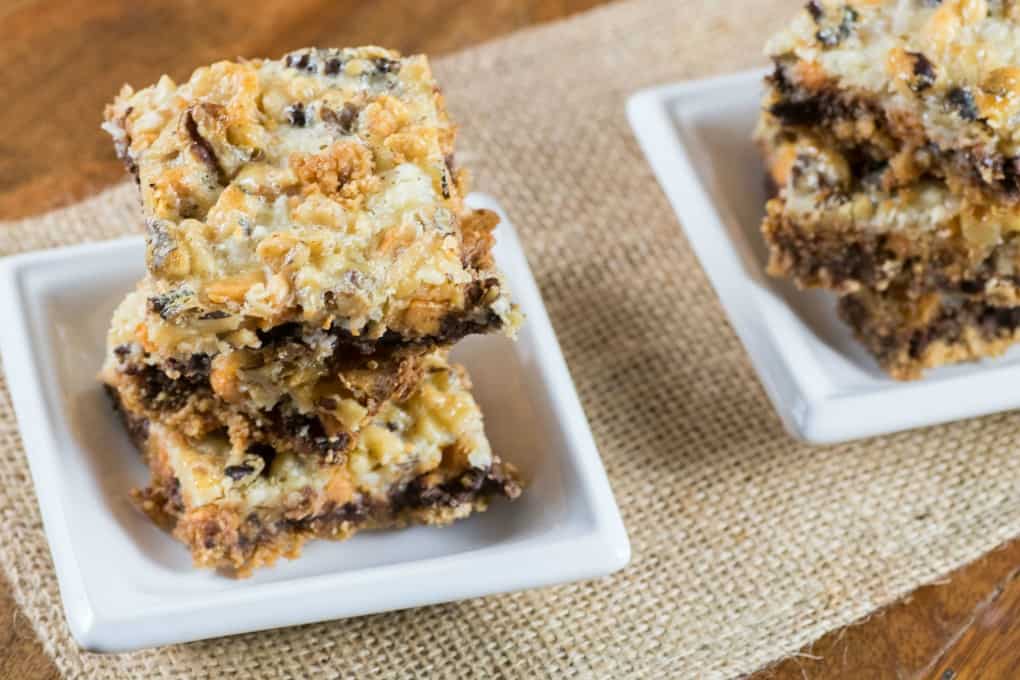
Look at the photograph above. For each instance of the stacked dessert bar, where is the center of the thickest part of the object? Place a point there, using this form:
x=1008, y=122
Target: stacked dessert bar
x=283, y=363
x=891, y=130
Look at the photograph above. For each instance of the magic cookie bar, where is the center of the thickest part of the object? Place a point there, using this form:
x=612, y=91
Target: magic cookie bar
x=291, y=386
x=836, y=225
x=931, y=88
x=310, y=261
x=424, y=460
x=890, y=131
x=319, y=189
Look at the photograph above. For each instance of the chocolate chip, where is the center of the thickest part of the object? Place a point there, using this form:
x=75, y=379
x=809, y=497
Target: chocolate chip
x=202, y=148
x=778, y=78
x=444, y=183
x=344, y=120
x=347, y=117
x=159, y=241
x=971, y=287
x=815, y=10
x=962, y=101
x=924, y=72
x=353, y=511
x=798, y=111
x=300, y=61
x=121, y=351
x=354, y=278
x=392, y=427
x=214, y=314
x=830, y=36
x=333, y=66
x=472, y=480
x=210, y=530
x=238, y=472
x=165, y=304
x=1011, y=175
x=137, y=428
x=296, y=115
x=285, y=332
x=420, y=493
x=176, y=499
x=198, y=366
x=474, y=319
x=123, y=146
x=1003, y=318
x=384, y=65
x=308, y=434
x=264, y=451
x=161, y=392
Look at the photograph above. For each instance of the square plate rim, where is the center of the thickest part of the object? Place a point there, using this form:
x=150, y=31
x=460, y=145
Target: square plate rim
x=605, y=547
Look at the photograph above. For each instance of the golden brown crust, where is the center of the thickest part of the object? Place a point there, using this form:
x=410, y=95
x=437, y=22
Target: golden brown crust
x=425, y=460
x=221, y=537
x=910, y=335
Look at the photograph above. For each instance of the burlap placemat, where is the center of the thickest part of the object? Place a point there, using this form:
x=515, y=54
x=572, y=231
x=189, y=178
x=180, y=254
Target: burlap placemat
x=746, y=544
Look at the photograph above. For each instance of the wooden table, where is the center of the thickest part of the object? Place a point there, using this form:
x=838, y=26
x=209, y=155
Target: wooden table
x=54, y=86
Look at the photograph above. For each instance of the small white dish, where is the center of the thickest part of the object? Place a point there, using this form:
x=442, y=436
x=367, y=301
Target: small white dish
x=127, y=585
x=824, y=385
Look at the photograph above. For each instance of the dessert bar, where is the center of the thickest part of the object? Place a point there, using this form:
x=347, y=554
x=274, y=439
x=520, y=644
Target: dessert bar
x=290, y=381
x=309, y=262
x=838, y=226
x=424, y=460
x=890, y=132
x=319, y=188
x=897, y=78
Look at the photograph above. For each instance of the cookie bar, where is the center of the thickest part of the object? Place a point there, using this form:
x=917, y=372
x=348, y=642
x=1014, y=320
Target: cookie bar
x=931, y=87
x=424, y=460
x=309, y=262
x=836, y=225
x=909, y=335
x=290, y=387
x=319, y=189
x=890, y=132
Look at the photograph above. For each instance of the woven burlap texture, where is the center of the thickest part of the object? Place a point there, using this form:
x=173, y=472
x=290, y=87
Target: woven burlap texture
x=746, y=544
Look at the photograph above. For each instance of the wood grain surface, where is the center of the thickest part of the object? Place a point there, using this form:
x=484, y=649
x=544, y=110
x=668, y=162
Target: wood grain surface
x=63, y=60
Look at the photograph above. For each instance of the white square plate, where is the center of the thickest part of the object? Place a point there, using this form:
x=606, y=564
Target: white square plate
x=824, y=385
x=127, y=585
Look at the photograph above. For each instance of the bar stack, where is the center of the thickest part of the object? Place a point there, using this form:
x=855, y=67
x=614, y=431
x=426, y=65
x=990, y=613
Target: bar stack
x=310, y=260
x=891, y=131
